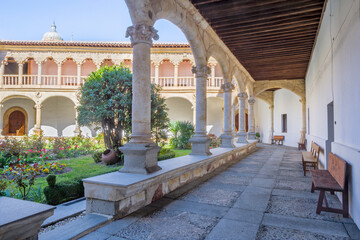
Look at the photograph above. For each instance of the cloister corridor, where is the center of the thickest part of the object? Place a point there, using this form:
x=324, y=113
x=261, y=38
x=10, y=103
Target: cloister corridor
x=262, y=196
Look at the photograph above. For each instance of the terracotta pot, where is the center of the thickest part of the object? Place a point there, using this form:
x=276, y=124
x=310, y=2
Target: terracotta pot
x=109, y=157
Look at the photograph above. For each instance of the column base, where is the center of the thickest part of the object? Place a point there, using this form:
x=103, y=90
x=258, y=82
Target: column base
x=251, y=136
x=242, y=137
x=227, y=140
x=77, y=131
x=200, y=145
x=37, y=131
x=140, y=158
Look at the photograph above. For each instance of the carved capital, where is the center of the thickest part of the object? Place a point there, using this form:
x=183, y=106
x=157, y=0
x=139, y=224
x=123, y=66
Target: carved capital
x=251, y=101
x=38, y=106
x=227, y=87
x=242, y=95
x=141, y=33
x=201, y=71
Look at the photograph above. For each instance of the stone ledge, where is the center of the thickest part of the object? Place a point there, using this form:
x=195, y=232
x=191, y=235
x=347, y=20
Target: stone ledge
x=118, y=194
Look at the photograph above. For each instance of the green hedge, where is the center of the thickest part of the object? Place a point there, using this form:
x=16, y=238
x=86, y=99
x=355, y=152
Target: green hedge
x=165, y=153
x=64, y=191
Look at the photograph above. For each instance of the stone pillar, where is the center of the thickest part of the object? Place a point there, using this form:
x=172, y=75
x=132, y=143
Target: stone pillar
x=242, y=132
x=77, y=130
x=39, y=72
x=212, y=80
x=271, y=122
x=78, y=74
x=200, y=142
x=59, y=74
x=20, y=66
x=251, y=133
x=1, y=119
x=227, y=137
x=2, y=71
x=141, y=152
x=303, y=110
x=157, y=73
x=233, y=110
x=37, y=127
x=176, y=73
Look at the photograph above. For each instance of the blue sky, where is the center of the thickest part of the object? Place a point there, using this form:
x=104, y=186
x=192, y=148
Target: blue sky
x=85, y=20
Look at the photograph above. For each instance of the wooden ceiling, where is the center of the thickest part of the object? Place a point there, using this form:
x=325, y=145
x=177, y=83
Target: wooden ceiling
x=273, y=39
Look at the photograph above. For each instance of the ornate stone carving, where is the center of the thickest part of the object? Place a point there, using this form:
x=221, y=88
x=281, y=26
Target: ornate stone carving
x=242, y=95
x=201, y=71
x=38, y=106
x=38, y=94
x=141, y=33
x=227, y=87
x=251, y=101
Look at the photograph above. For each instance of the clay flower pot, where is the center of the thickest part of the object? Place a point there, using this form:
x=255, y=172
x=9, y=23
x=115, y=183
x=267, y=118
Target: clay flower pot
x=109, y=157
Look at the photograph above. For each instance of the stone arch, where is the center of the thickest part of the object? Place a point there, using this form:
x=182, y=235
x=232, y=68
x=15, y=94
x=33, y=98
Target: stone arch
x=180, y=108
x=6, y=119
x=221, y=58
x=73, y=100
x=11, y=96
x=295, y=86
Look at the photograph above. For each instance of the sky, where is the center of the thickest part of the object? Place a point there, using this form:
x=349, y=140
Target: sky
x=80, y=20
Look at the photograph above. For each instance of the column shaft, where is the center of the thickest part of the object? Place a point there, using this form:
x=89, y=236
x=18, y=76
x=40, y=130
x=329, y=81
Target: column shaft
x=157, y=74
x=78, y=74
x=212, y=80
x=39, y=73
x=242, y=132
x=20, y=66
x=176, y=73
x=227, y=137
x=271, y=122
x=303, y=110
x=251, y=117
x=59, y=75
x=2, y=71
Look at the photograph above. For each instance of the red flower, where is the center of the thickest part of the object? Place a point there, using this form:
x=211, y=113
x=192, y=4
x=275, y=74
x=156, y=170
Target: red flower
x=69, y=147
x=46, y=157
x=18, y=159
x=40, y=155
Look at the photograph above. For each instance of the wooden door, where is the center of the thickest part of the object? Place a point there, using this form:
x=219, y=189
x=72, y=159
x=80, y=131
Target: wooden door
x=16, y=121
x=246, y=122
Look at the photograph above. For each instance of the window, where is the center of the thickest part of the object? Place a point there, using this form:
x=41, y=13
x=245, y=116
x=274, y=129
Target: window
x=284, y=122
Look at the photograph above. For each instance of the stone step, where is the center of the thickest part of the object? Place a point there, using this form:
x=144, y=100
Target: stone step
x=77, y=228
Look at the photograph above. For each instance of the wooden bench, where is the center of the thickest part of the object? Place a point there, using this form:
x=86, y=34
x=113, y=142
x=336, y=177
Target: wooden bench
x=302, y=144
x=311, y=159
x=333, y=180
x=278, y=140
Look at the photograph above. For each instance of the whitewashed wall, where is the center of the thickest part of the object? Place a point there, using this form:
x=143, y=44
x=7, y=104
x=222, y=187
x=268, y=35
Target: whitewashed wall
x=334, y=75
x=262, y=120
x=287, y=102
x=215, y=116
x=180, y=109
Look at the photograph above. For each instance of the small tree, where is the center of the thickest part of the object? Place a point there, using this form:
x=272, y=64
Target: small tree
x=106, y=99
x=159, y=116
x=105, y=102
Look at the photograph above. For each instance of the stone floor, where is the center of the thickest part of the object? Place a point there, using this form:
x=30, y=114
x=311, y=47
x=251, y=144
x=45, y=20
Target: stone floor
x=264, y=196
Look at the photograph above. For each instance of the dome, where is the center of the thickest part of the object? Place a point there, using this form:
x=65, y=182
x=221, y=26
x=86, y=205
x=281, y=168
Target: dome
x=52, y=36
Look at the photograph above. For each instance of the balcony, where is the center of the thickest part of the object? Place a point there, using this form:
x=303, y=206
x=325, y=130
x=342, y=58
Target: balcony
x=53, y=81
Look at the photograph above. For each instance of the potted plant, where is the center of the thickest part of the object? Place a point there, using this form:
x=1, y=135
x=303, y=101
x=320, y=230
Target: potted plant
x=257, y=136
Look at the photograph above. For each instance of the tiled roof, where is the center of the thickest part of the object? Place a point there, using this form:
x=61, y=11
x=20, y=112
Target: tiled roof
x=88, y=44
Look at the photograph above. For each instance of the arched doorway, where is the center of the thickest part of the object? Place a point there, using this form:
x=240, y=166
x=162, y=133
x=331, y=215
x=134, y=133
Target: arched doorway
x=237, y=122
x=15, y=122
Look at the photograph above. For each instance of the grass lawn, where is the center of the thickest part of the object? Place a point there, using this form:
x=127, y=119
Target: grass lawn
x=181, y=152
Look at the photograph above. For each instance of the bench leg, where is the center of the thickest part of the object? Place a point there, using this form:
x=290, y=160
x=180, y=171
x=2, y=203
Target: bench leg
x=304, y=167
x=345, y=203
x=312, y=187
x=320, y=201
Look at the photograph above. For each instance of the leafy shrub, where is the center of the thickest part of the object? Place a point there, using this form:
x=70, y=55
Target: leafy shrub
x=97, y=156
x=182, y=132
x=63, y=191
x=3, y=185
x=165, y=153
x=51, y=180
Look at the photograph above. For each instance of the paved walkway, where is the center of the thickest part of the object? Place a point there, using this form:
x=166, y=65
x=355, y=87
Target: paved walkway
x=264, y=196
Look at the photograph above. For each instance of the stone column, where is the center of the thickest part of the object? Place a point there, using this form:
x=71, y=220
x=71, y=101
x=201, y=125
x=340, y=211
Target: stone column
x=176, y=73
x=37, y=127
x=227, y=137
x=39, y=72
x=59, y=74
x=20, y=66
x=242, y=132
x=157, y=73
x=77, y=130
x=212, y=81
x=251, y=133
x=233, y=110
x=2, y=71
x=78, y=74
x=141, y=152
x=303, y=110
x=1, y=119
x=200, y=142
x=271, y=122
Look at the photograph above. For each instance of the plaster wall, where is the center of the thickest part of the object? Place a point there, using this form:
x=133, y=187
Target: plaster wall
x=179, y=109
x=262, y=120
x=166, y=69
x=33, y=68
x=287, y=102
x=333, y=75
x=69, y=68
x=87, y=67
x=185, y=69
x=49, y=68
x=215, y=116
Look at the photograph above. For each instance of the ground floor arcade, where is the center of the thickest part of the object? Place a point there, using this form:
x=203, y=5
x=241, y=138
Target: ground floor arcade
x=262, y=196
